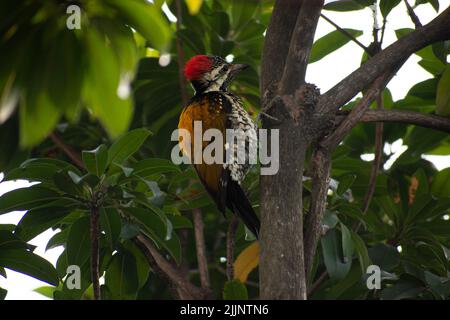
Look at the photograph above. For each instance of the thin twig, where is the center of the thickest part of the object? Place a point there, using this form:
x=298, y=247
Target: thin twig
x=73, y=156
x=346, y=33
x=375, y=165
x=401, y=116
x=383, y=29
x=352, y=119
x=377, y=160
x=378, y=143
x=94, y=231
x=201, y=249
x=387, y=61
x=412, y=15
x=230, y=246
x=321, y=166
x=169, y=271
x=317, y=283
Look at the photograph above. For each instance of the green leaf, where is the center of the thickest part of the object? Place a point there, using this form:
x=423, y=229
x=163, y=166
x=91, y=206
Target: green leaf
x=235, y=290
x=440, y=187
x=129, y=230
x=58, y=239
x=78, y=242
x=65, y=184
x=434, y=3
x=361, y=250
x=34, y=222
x=343, y=5
x=338, y=290
x=67, y=57
x=46, y=291
x=180, y=222
x=147, y=19
x=443, y=93
x=242, y=12
x=336, y=253
x=101, y=86
x=30, y=264
x=38, y=115
x=386, y=6
x=41, y=169
x=3, y=293
x=111, y=224
x=154, y=166
x=96, y=160
x=122, y=41
x=425, y=90
x=403, y=32
x=345, y=183
x=121, y=277
x=330, y=43
x=402, y=290
x=142, y=266
x=439, y=285
x=385, y=256
x=26, y=199
x=126, y=145
x=8, y=240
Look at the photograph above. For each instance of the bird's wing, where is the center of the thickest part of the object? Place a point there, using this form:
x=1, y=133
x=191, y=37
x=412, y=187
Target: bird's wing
x=206, y=109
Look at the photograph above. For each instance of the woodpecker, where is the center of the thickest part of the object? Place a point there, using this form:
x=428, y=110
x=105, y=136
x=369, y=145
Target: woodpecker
x=220, y=109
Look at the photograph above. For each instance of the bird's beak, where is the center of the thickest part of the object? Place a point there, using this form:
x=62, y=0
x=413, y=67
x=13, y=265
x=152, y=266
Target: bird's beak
x=236, y=68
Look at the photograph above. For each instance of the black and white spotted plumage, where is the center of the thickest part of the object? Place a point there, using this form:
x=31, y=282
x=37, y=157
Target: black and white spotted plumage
x=245, y=129
x=219, y=109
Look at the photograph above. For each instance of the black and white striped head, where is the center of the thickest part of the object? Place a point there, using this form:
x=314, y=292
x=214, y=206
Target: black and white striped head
x=211, y=73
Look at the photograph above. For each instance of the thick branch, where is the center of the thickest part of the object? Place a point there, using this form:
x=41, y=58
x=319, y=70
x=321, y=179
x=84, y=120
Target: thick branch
x=231, y=234
x=353, y=117
x=94, y=230
x=168, y=270
x=386, y=61
x=201, y=250
x=403, y=116
x=300, y=47
x=276, y=43
x=321, y=166
x=73, y=156
x=412, y=15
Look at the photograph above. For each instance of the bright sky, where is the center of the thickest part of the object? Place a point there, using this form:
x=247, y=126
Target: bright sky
x=324, y=74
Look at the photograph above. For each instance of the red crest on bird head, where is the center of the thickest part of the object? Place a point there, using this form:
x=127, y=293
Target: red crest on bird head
x=197, y=66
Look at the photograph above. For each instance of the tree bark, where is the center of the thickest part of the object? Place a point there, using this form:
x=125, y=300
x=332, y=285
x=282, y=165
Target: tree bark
x=288, y=43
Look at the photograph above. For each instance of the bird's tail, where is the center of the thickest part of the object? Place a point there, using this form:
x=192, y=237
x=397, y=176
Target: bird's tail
x=238, y=203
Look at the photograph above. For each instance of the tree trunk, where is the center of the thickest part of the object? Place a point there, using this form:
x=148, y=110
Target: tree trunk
x=287, y=99
x=282, y=274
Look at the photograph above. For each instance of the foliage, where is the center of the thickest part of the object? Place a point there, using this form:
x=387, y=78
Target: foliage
x=69, y=86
